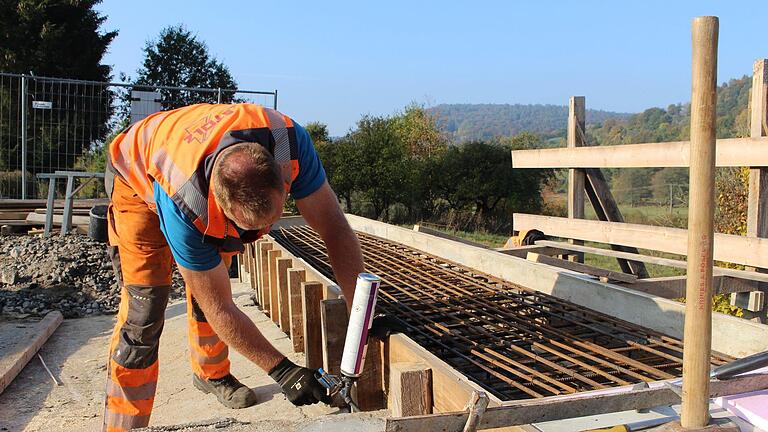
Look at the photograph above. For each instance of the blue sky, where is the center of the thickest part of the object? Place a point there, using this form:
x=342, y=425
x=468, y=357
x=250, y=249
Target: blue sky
x=334, y=61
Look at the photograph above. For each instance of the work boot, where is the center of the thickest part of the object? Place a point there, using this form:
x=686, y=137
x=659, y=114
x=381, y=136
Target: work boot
x=228, y=390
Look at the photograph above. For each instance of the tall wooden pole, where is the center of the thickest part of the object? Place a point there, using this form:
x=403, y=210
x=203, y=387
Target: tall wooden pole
x=698, y=306
x=576, y=177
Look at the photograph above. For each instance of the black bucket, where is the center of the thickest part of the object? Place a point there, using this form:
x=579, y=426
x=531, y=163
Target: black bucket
x=97, y=225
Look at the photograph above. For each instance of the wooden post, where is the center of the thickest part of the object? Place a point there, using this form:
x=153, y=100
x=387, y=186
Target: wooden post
x=410, y=389
x=311, y=296
x=274, y=304
x=295, y=278
x=283, y=309
x=257, y=268
x=757, y=201
x=576, y=138
x=333, y=320
x=368, y=391
x=264, y=249
x=698, y=306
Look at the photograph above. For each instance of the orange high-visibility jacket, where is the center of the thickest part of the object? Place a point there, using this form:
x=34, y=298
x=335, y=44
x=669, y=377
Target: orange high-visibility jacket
x=177, y=149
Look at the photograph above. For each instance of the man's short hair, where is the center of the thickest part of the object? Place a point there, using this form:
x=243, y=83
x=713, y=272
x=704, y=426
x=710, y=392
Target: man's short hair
x=246, y=176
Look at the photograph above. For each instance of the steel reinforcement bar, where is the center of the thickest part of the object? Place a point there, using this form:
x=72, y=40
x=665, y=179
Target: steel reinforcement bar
x=515, y=342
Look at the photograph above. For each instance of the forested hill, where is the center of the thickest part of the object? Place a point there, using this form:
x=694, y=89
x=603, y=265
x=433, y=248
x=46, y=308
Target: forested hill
x=673, y=123
x=485, y=121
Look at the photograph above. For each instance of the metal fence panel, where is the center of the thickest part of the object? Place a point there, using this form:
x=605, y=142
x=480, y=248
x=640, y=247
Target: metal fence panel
x=49, y=124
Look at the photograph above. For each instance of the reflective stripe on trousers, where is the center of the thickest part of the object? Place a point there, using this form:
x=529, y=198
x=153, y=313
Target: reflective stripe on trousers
x=143, y=266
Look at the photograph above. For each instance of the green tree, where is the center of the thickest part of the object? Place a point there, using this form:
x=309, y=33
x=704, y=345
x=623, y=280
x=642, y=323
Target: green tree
x=419, y=132
x=58, y=38
x=179, y=59
x=53, y=38
x=478, y=176
x=383, y=172
x=318, y=132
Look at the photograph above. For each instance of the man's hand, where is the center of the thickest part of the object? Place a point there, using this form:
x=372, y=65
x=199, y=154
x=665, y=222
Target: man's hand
x=299, y=383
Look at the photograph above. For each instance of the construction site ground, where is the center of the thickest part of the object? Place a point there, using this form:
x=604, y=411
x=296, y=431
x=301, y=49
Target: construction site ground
x=77, y=353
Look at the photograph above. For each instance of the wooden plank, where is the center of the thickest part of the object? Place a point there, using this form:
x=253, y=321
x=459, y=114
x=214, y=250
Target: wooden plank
x=57, y=219
x=368, y=391
x=730, y=152
x=434, y=232
x=256, y=270
x=274, y=305
x=607, y=210
x=295, y=278
x=333, y=319
x=673, y=287
x=576, y=177
x=283, y=299
x=450, y=389
x=757, y=199
x=522, y=251
x=12, y=364
x=731, y=274
x=410, y=389
x=559, y=408
x=264, y=278
x=582, y=268
x=311, y=297
x=728, y=248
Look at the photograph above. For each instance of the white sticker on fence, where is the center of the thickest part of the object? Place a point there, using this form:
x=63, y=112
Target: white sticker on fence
x=42, y=104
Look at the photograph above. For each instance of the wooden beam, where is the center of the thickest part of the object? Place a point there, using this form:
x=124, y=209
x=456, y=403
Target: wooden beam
x=581, y=268
x=410, y=389
x=730, y=152
x=333, y=320
x=283, y=299
x=450, y=389
x=728, y=248
x=701, y=226
x=522, y=251
x=757, y=199
x=673, y=287
x=311, y=298
x=14, y=362
x=576, y=177
x=434, y=232
x=606, y=209
x=295, y=278
x=732, y=274
x=368, y=391
x=274, y=304
x=257, y=268
x=264, y=278
x=578, y=405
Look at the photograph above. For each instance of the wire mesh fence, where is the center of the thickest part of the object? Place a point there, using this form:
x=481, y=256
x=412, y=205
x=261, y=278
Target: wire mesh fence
x=50, y=124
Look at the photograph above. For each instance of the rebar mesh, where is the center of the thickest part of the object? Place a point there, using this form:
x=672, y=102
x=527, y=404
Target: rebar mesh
x=515, y=342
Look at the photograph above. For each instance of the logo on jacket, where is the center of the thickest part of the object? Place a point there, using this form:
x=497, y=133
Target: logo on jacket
x=200, y=129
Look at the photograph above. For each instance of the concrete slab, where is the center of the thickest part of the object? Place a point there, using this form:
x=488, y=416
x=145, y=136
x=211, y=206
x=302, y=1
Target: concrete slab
x=77, y=355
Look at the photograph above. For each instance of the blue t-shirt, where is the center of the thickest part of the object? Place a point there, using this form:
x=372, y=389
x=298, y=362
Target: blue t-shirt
x=186, y=241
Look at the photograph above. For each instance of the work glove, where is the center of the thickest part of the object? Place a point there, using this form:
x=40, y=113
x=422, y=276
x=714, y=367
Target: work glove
x=384, y=325
x=299, y=383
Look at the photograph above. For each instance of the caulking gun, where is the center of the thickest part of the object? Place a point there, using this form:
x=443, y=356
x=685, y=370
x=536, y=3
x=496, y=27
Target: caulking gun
x=356, y=342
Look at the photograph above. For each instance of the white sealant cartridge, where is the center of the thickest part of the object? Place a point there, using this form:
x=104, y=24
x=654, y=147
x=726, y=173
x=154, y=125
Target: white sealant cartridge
x=360, y=318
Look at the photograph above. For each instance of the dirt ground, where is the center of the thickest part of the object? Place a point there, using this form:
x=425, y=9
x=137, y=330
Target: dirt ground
x=77, y=354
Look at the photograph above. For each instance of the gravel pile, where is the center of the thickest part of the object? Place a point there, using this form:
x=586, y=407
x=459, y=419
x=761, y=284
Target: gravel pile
x=72, y=274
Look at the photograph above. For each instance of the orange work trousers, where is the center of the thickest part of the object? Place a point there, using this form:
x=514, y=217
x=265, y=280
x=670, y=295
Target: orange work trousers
x=143, y=265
